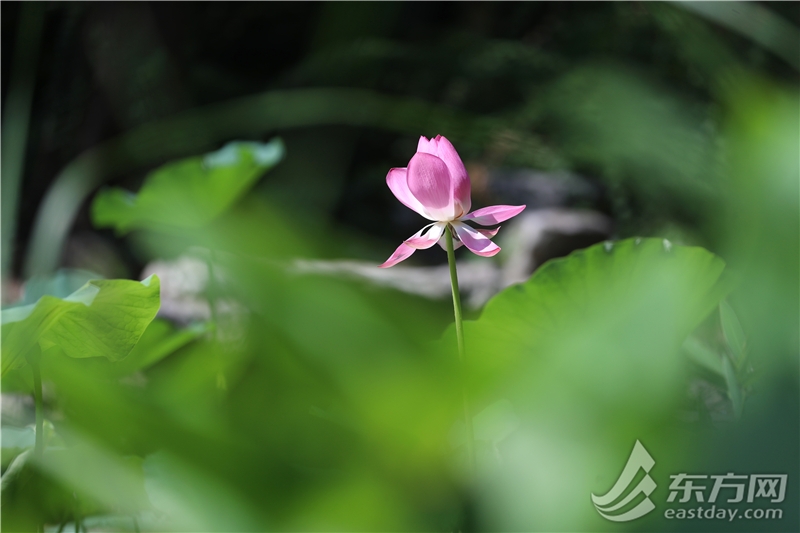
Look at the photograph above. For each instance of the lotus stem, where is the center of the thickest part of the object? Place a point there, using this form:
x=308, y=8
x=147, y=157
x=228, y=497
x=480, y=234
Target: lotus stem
x=470, y=436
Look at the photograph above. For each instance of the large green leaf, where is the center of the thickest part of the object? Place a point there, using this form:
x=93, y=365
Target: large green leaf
x=104, y=318
x=588, y=354
x=606, y=322
x=188, y=193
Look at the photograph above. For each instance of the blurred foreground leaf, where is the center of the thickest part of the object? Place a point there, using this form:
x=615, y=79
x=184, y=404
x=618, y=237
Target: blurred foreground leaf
x=188, y=193
x=734, y=335
x=703, y=355
x=84, y=479
x=191, y=498
x=161, y=339
x=588, y=353
x=734, y=390
x=104, y=318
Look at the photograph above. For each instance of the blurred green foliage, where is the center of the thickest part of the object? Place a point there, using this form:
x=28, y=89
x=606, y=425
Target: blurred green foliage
x=312, y=403
x=189, y=193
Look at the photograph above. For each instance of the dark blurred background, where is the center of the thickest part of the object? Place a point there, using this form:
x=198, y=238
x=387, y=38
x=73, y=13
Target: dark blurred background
x=104, y=69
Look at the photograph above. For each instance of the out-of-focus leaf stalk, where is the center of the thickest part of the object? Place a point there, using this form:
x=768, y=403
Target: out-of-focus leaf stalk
x=16, y=120
x=470, y=434
x=755, y=22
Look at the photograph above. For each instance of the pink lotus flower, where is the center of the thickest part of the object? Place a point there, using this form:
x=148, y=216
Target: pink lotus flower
x=436, y=186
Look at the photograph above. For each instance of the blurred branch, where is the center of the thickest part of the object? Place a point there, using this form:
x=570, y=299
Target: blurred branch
x=755, y=22
x=202, y=129
x=16, y=120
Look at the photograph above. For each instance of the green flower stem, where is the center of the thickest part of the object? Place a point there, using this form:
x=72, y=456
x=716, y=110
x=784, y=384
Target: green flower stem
x=451, y=259
x=38, y=448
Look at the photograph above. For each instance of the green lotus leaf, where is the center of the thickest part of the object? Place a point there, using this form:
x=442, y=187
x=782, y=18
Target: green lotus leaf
x=104, y=318
x=188, y=193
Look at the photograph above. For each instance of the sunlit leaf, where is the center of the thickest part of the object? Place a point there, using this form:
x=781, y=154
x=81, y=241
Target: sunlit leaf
x=607, y=321
x=188, y=193
x=104, y=318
